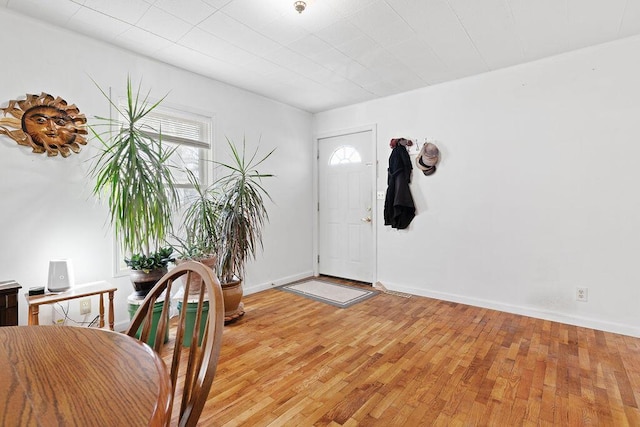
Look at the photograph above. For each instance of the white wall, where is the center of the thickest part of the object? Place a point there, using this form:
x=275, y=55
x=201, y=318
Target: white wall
x=47, y=208
x=536, y=193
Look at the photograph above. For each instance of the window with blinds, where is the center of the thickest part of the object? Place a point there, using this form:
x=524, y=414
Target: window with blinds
x=191, y=134
x=180, y=130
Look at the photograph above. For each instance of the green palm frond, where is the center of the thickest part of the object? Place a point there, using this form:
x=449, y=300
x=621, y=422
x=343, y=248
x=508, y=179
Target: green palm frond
x=132, y=173
x=199, y=221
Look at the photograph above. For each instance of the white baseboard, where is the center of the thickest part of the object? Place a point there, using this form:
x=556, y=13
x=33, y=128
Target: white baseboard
x=618, y=328
x=253, y=288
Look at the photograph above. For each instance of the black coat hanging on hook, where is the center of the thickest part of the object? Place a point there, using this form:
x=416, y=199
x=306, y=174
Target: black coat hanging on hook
x=399, y=208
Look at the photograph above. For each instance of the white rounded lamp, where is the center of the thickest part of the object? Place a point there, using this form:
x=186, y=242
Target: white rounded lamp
x=60, y=275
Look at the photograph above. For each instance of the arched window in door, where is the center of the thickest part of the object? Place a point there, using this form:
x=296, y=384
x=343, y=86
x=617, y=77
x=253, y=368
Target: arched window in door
x=344, y=154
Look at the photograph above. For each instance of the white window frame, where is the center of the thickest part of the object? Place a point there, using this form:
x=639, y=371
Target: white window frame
x=336, y=158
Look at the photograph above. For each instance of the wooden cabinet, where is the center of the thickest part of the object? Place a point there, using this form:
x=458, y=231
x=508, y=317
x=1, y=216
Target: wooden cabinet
x=9, y=303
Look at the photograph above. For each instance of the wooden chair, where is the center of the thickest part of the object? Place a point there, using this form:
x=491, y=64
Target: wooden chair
x=202, y=359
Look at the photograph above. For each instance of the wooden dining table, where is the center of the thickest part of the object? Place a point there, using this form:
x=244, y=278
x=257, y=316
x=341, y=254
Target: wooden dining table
x=73, y=376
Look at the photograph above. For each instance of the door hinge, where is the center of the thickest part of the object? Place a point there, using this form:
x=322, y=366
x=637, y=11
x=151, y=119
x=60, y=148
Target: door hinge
x=318, y=206
x=318, y=259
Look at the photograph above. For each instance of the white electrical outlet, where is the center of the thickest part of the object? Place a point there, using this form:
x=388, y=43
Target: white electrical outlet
x=85, y=306
x=582, y=294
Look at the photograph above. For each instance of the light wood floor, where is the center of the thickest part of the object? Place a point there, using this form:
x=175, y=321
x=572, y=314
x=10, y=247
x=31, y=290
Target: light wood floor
x=393, y=361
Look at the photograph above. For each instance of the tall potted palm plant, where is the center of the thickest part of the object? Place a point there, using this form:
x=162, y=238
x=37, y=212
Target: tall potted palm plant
x=241, y=215
x=197, y=237
x=133, y=174
x=196, y=240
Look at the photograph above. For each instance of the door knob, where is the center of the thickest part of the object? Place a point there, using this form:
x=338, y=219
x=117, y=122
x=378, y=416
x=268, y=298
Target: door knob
x=366, y=219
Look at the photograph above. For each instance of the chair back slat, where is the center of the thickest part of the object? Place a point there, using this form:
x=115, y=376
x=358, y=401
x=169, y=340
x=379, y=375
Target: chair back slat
x=163, y=322
x=146, y=328
x=194, y=354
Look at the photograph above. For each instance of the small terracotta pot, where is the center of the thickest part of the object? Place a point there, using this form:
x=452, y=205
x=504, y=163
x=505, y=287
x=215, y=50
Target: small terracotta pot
x=196, y=281
x=232, y=293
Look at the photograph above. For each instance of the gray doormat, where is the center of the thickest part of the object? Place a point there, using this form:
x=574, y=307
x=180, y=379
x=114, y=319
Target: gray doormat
x=331, y=293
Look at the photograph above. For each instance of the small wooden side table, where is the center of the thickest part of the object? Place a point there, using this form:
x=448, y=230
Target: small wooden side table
x=81, y=291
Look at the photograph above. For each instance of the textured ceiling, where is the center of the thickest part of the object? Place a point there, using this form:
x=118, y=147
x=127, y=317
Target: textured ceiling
x=340, y=52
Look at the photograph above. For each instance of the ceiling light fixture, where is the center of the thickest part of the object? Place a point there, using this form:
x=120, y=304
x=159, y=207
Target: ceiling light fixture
x=300, y=6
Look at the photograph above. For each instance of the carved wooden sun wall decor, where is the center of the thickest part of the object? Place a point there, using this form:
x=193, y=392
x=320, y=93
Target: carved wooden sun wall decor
x=44, y=123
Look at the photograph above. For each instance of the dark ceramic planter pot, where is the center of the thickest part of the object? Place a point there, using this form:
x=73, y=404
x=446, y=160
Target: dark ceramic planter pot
x=143, y=282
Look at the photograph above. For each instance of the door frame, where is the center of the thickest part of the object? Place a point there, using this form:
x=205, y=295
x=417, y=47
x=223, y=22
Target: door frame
x=374, y=208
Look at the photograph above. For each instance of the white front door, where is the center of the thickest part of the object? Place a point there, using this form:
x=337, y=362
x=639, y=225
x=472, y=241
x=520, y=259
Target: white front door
x=345, y=216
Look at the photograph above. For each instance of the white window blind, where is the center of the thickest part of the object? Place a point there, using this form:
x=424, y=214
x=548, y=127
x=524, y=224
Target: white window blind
x=179, y=130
